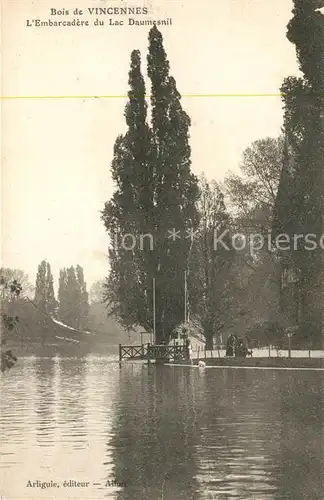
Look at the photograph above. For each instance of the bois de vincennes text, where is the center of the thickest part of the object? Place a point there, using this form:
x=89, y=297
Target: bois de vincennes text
x=95, y=16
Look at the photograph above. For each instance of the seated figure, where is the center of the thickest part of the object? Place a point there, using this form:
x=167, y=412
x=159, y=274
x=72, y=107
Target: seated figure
x=241, y=351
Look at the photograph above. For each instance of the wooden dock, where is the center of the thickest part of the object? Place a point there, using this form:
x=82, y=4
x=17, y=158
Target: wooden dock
x=153, y=352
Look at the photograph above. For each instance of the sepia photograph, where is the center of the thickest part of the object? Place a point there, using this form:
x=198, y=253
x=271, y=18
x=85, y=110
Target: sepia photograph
x=162, y=250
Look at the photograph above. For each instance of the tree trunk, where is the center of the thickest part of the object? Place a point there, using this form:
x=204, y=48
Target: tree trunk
x=209, y=343
x=208, y=334
x=160, y=334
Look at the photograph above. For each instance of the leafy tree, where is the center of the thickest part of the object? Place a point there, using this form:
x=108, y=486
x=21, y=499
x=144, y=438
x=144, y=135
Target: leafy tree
x=303, y=211
x=306, y=31
x=211, y=283
x=267, y=333
x=176, y=188
x=251, y=202
x=44, y=290
x=97, y=290
x=9, y=277
x=155, y=193
x=51, y=303
x=83, y=299
x=73, y=297
x=10, y=290
x=21, y=320
x=62, y=296
x=40, y=290
x=131, y=211
x=252, y=194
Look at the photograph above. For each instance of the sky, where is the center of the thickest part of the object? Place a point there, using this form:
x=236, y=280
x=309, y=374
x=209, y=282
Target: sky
x=56, y=152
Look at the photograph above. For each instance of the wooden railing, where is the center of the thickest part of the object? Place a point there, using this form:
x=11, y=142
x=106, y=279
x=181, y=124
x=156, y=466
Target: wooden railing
x=167, y=352
x=131, y=352
x=180, y=352
x=153, y=352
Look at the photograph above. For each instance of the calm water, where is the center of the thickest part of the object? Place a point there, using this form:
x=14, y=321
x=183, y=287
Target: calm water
x=168, y=433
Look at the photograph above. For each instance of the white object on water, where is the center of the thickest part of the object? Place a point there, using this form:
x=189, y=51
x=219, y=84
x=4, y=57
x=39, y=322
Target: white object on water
x=201, y=364
x=69, y=327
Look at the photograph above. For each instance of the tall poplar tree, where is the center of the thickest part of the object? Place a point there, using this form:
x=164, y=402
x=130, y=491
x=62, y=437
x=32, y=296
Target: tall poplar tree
x=131, y=209
x=40, y=289
x=51, y=302
x=62, y=309
x=176, y=188
x=83, y=298
x=73, y=297
x=155, y=193
x=44, y=290
x=306, y=31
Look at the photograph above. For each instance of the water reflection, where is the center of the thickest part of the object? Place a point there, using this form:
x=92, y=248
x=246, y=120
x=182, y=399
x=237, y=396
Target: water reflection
x=55, y=422
x=44, y=402
x=301, y=437
x=155, y=434
x=170, y=433
x=71, y=402
x=237, y=444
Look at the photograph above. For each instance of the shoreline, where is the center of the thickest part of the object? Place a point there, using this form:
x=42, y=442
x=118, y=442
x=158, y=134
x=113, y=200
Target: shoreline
x=306, y=363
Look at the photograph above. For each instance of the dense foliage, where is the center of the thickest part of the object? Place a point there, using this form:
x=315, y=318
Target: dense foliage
x=73, y=299
x=300, y=201
x=44, y=290
x=155, y=193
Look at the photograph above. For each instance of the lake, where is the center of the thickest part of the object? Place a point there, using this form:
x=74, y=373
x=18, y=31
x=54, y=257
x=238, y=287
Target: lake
x=159, y=432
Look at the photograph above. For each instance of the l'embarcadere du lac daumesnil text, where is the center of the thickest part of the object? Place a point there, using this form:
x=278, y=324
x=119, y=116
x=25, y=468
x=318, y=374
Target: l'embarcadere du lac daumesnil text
x=75, y=17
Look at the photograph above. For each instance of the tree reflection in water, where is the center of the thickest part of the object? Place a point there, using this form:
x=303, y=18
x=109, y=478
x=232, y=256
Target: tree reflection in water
x=156, y=431
x=185, y=433
x=301, y=439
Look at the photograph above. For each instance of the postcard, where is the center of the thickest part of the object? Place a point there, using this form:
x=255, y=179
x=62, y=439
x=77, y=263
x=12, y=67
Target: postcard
x=162, y=255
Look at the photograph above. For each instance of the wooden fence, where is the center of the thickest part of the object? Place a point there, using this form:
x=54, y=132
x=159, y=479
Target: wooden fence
x=175, y=352
x=167, y=352
x=128, y=352
x=199, y=352
x=152, y=352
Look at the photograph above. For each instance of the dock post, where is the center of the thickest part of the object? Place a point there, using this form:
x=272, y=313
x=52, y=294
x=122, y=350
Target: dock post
x=148, y=353
x=120, y=355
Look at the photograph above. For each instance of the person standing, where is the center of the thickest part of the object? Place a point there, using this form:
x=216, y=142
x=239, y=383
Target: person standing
x=230, y=346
